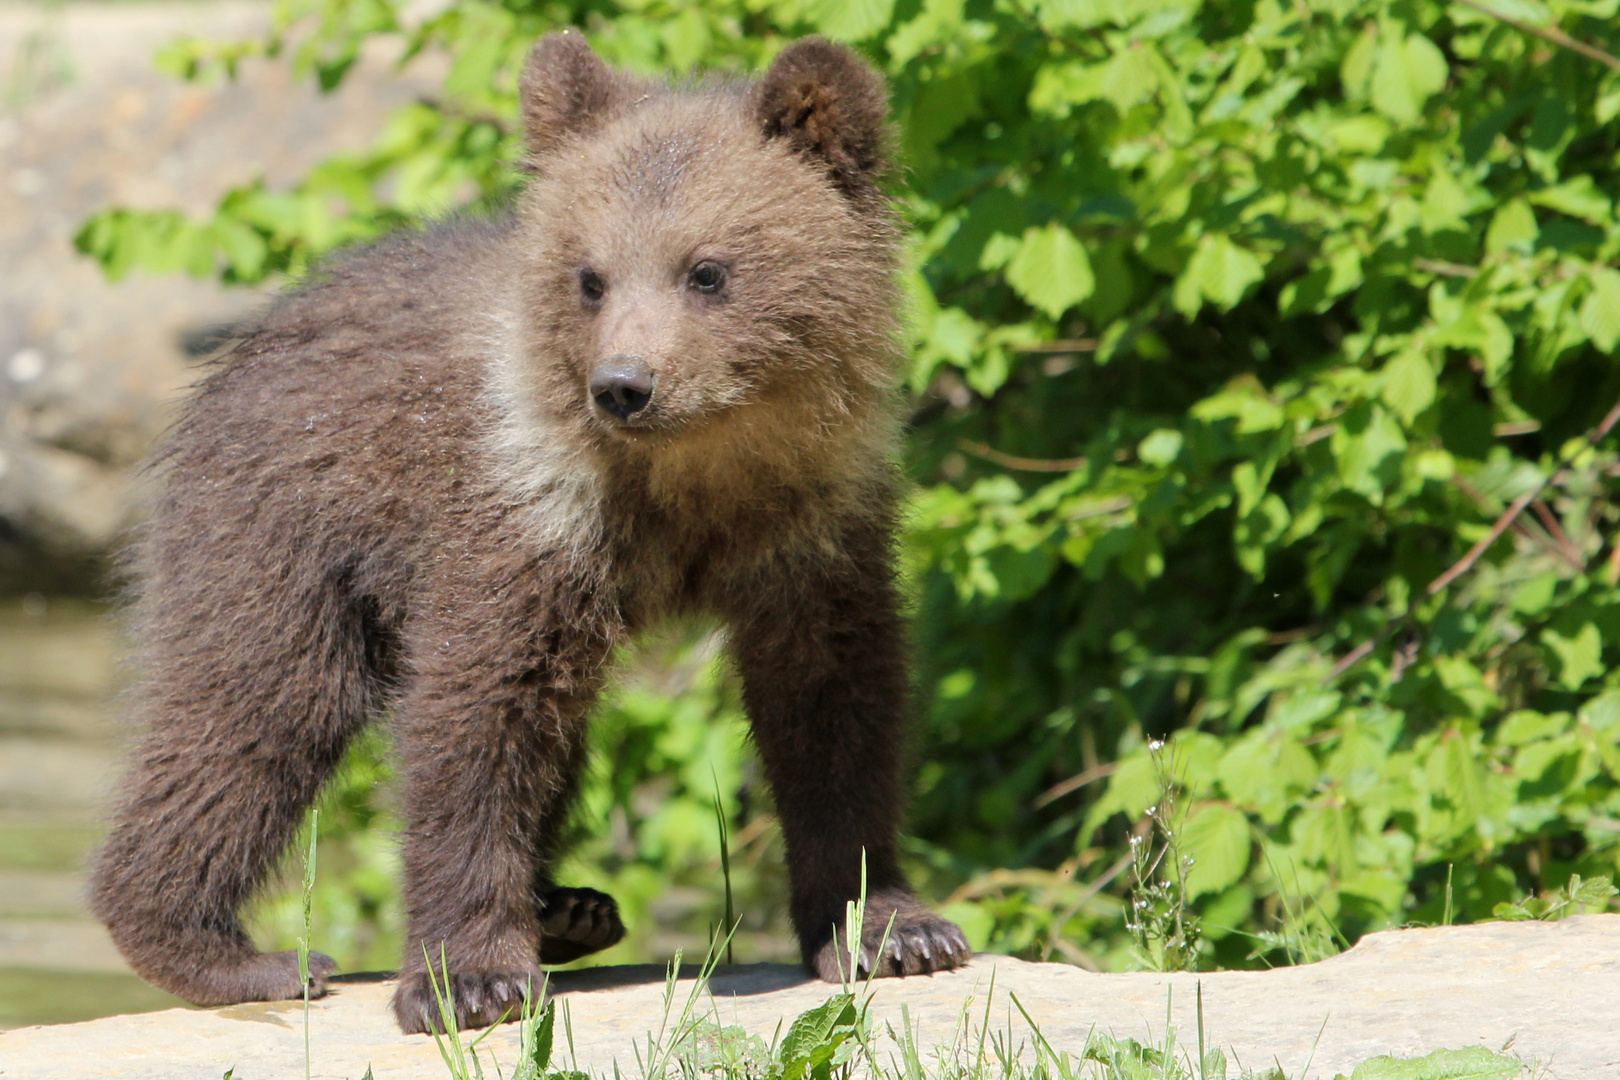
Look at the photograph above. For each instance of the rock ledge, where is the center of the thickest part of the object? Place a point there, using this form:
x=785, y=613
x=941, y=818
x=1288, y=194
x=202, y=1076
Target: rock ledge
x=1550, y=990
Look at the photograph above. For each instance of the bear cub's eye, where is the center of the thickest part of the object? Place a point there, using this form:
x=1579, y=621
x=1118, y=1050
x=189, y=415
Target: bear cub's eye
x=591, y=286
x=707, y=276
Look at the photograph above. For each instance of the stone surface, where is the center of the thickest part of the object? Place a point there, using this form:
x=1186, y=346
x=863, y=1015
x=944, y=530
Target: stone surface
x=88, y=367
x=1551, y=990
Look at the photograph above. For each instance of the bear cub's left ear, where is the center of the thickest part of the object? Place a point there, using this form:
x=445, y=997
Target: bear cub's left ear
x=829, y=104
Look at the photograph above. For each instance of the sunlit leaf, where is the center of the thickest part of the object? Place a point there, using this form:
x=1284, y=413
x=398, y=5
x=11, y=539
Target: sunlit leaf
x=1051, y=270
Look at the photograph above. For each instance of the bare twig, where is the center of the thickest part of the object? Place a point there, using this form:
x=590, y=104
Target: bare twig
x=1463, y=565
x=1091, y=890
x=1107, y=506
x=1062, y=345
x=1503, y=523
x=1021, y=464
x=1074, y=783
x=1445, y=269
x=1354, y=656
x=1548, y=33
x=1565, y=546
x=1405, y=657
x=1509, y=516
x=1515, y=427
x=1540, y=539
x=469, y=116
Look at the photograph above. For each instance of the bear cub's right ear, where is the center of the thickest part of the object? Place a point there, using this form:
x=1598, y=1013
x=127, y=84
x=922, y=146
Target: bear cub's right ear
x=566, y=90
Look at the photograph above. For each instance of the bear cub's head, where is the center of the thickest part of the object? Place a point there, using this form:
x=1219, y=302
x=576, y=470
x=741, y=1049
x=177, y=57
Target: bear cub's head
x=706, y=263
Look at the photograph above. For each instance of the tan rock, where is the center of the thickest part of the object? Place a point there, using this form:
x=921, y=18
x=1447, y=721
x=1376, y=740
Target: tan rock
x=88, y=367
x=1549, y=990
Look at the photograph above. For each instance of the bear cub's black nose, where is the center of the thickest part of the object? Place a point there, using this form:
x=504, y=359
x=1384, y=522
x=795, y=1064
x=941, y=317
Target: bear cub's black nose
x=622, y=385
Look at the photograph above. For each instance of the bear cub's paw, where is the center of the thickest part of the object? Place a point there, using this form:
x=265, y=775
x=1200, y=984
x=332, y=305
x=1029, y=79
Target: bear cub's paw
x=265, y=977
x=480, y=998
x=915, y=942
x=577, y=922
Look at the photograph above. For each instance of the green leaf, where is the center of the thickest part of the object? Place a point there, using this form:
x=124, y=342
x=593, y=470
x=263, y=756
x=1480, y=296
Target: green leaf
x=1409, y=384
x=1407, y=72
x=1161, y=447
x=243, y=246
x=1580, y=656
x=1051, y=271
x=1355, y=70
x=1245, y=400
x=1217, y=839
x=815, y=1035
x=1600, y=311
x=1592, y=892
x=1578, y=197
x=1445, y=202
x=1470, y=1063
x=1513, y=228
x=539, y=1056
x=849, y=20
x=1456, y=774
x=1219, y=271
x=1368, y=445
x=686, y=39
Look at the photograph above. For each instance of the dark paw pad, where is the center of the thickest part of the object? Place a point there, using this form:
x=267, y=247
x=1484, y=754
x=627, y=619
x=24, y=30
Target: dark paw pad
x=898, y=937
x=478, y=998
x=576, y=923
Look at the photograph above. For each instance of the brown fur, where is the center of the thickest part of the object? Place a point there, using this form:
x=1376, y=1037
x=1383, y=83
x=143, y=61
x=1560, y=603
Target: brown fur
x=398, y=491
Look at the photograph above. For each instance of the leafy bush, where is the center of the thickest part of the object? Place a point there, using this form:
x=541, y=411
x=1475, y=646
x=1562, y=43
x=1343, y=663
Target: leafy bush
x=1238, y=323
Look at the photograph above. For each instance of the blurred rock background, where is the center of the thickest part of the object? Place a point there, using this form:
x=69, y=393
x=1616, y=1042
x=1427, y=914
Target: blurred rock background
x=88, y=372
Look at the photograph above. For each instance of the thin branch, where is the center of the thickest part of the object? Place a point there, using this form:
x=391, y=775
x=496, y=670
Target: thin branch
x=1354, y=656
x=1405, y=657
x=1107, y=506
x=1445, y=269
x=1509, y=516
x=1092, y=890
x=1021, y=464
x=1548, y=33
x=1062, y=345
x=1564, y=545
x=1593, y=437
x=1515, y=427
x=1074, y=783
x=470, y=116
x=1540, y=539
x=1466, y=563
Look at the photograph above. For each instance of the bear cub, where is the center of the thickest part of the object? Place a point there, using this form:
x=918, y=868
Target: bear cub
x=447, y=476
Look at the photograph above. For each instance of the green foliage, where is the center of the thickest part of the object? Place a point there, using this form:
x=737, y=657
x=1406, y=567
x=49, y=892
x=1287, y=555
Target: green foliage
x=1471, y=1063
x=1236, y=323
x=1577, y=896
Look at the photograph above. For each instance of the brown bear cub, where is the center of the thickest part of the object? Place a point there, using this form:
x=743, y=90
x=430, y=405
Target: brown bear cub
x=445, y=478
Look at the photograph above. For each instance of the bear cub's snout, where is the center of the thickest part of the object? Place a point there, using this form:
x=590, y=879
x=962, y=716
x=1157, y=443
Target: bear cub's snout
x=622, y=385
